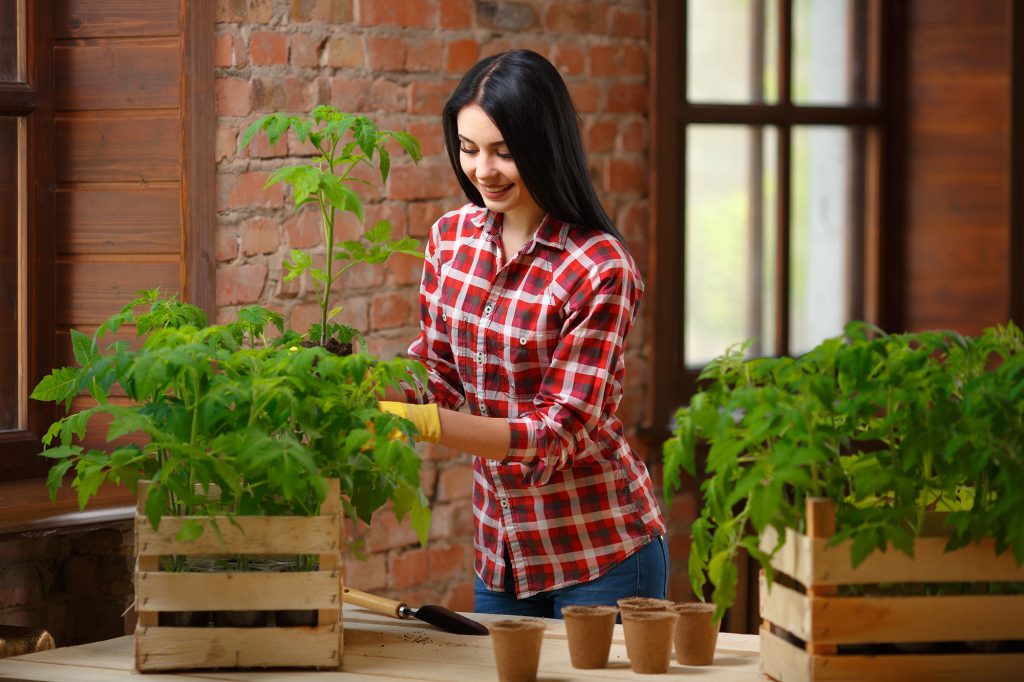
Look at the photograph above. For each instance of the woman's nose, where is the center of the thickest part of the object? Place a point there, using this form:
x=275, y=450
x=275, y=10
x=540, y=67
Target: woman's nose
x=485, y=166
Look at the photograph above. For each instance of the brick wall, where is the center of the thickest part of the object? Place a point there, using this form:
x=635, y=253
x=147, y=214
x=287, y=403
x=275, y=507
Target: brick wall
x=398, y=61
x=75, y=584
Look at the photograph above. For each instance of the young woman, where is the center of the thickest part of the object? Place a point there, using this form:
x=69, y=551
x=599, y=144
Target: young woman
x=527, y=297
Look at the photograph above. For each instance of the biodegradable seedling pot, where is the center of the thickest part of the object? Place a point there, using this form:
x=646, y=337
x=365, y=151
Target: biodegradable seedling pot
x=696, y=633
x=649, y=639
x=516, y=644
x=589, y=629
x=643, y=604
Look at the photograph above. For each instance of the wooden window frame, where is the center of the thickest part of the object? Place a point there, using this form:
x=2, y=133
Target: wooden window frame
x=1017, y=165
x=671, y=382
x=19, y=449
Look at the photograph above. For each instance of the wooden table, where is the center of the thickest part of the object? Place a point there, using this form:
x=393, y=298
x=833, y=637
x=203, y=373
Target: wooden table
x=378, y=648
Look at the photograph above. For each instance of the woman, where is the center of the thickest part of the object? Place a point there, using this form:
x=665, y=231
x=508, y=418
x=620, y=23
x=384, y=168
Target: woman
x=527, y=296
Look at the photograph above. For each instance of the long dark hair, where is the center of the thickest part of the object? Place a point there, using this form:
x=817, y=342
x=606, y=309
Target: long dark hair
x=525, y=96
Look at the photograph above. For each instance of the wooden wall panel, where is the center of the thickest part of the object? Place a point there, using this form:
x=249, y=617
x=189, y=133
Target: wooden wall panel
x=93, y=290
x=110, y=221
x=957, y=166
x=136, y=149
x=112, y=18
x=133, y=76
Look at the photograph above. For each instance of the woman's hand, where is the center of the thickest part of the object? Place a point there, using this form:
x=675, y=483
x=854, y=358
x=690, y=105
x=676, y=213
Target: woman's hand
x=425, y=417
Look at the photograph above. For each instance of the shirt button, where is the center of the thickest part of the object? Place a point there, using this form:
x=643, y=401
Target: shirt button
x=444, y=316
x=483, y=410
x=488, y=309
x=480, y=358
x=504, y=503
x=522, y=340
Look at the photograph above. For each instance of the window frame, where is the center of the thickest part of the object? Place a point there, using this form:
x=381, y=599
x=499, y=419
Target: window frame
x=671, y=382
x=33, y=100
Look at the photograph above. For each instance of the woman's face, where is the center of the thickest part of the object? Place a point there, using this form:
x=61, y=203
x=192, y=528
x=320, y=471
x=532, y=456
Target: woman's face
x=487, y=163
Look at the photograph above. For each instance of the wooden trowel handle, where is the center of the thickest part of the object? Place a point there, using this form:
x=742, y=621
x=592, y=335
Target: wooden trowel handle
x=388, y=607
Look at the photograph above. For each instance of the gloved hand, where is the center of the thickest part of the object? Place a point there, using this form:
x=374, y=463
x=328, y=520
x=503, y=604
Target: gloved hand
x=426, y=418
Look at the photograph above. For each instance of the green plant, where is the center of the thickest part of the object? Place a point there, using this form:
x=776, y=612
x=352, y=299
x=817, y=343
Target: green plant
x=328, y=180
x=886, y=426
x=264, y=419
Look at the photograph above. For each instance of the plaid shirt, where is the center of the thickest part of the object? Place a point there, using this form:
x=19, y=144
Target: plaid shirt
x=539, y=340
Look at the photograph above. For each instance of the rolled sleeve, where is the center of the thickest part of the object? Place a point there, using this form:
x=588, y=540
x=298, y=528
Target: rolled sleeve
x=581, y=387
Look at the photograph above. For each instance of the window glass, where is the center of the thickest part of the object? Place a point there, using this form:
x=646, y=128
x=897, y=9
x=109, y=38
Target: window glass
x=730, y=193
x=9, y=229
x=731, y=51
x=829, y=52
x=823, y=227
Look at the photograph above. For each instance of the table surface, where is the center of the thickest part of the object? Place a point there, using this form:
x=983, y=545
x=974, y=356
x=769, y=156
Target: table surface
x=379, y=648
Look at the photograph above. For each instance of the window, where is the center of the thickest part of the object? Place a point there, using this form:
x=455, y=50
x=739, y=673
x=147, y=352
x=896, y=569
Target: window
x=768, y=126
x=26, y=230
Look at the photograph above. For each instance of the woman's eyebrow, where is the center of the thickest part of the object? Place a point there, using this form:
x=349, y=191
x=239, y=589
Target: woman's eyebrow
x=499, y=143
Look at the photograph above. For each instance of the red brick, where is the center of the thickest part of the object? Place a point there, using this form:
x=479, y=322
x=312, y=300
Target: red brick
x=394, y=344
x=267, y=48
x=456, y=13
x=226, y=145
x=389, y=310
x=633, y=223
x=416, y=595
x=429, y=98
x=577, y=17
x=455, y=483
x=421, y=182
x=600, y=136
x=387, y=95
x=604, y=60
x=429, y=133
x=444, y=563
x=402, y=269
x=350, y=94
x=385, y=53
x=391, y=211
x=627, y=22
x=586, y=97
x=361, y=276
x=634, y=60
x=387, y=533
x=369, y=575
x=432, y=452
x=515, y=17
x=423, y=214
x=462, y=54
x=345, y=52
x=569, y=58
x=245, y=11
x=288, y=94
x=627, y=98
x=634, y=136
x=260, y=235
x=460, y=597
x=234, y=97
x=227, y=243
x=240, y=283
x=626, y=176
x=259, y=146
x=303, y=315
x=285, y=288
x=412, y=13
x=322, y=11
x=247, y=190
x=428, y=477
x=423, y=55
x=306, y=49
x=304, y=230
x=223, y=50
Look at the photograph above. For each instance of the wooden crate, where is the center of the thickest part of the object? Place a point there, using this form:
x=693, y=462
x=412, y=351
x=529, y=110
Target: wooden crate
x=824, y=620
x=178, y=648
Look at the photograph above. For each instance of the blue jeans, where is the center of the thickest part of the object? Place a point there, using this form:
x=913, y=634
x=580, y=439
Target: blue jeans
x=642, y=574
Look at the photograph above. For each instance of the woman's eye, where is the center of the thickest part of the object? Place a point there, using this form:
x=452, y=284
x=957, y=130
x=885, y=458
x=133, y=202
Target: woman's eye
x=467, y=151
x=504, y=155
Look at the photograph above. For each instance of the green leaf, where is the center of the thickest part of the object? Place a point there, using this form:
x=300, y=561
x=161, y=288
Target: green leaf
x=88, y=482
x=341, y=196
x=420, y=518
x=385, y=164
x=251, y=131
x=83, y=346
x=58, y=385
x=334, y=312
x=190, y=530
x=61, y=451
x=863, y=545
x=379, y=233
x=55, y=477
x=365, y=132
x=409, y=143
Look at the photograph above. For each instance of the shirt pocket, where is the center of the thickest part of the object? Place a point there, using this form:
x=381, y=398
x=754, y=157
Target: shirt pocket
x=525, y=348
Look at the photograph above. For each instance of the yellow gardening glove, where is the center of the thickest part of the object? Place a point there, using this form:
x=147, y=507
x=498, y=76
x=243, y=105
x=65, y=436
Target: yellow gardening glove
x=426, y=418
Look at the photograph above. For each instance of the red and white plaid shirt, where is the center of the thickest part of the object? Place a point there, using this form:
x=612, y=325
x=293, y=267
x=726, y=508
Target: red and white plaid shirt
x=539, y=341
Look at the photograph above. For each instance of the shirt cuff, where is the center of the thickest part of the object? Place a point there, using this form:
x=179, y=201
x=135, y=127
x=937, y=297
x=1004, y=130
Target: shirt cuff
x=522, y=441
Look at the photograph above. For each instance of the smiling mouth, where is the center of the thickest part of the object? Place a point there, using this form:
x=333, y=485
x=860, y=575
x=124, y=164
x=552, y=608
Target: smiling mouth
x=495, y=191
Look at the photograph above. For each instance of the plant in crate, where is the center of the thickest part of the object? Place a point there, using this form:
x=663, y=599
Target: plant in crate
x=886, y=427
x=262, y=421
x=341, y=142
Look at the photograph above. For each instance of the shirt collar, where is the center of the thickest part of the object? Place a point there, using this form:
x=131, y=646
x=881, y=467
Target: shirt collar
x=551, y=232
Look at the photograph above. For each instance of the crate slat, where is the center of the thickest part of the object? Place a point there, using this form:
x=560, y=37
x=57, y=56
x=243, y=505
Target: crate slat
x=164, y=648
x=251, y=535
x=158, y=591
x=782, y=661
x=812, y=562
x=864, y=620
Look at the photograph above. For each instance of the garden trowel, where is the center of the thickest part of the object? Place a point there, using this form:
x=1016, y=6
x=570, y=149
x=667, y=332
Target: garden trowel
x=437, y=616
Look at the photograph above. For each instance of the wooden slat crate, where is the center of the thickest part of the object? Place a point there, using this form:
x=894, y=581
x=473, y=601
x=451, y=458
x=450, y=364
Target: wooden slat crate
x=825, y=621
x=179, y=648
